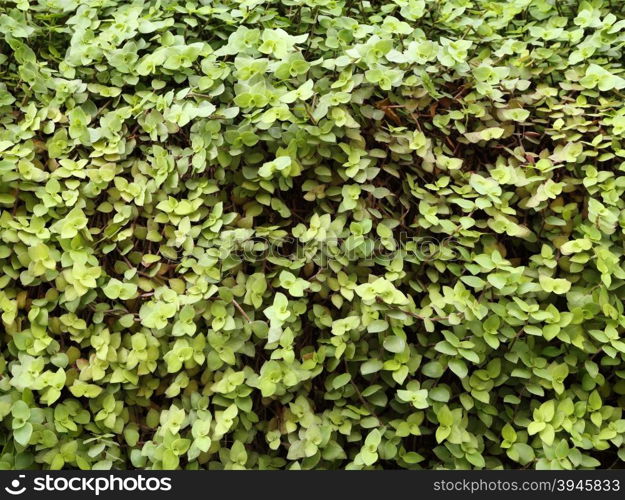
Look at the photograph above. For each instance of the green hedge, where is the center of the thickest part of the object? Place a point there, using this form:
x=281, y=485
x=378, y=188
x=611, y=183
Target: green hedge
x=312, y=234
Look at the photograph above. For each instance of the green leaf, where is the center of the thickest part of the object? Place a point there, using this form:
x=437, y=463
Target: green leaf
x=23, y=434
x=394, y=344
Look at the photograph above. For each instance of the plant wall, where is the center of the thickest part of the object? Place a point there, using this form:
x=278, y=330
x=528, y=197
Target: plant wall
x=317, y=234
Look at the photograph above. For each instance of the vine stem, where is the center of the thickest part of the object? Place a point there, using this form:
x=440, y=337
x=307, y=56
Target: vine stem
x=236, y=304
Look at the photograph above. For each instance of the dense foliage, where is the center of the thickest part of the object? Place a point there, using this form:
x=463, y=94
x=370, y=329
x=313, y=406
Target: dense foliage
x=312, y=234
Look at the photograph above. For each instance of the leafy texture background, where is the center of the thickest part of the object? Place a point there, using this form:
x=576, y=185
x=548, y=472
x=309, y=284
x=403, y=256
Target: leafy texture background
x=312, y=234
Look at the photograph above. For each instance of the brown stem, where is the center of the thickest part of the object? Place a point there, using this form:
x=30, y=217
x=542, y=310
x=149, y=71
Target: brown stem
x=236, y=304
